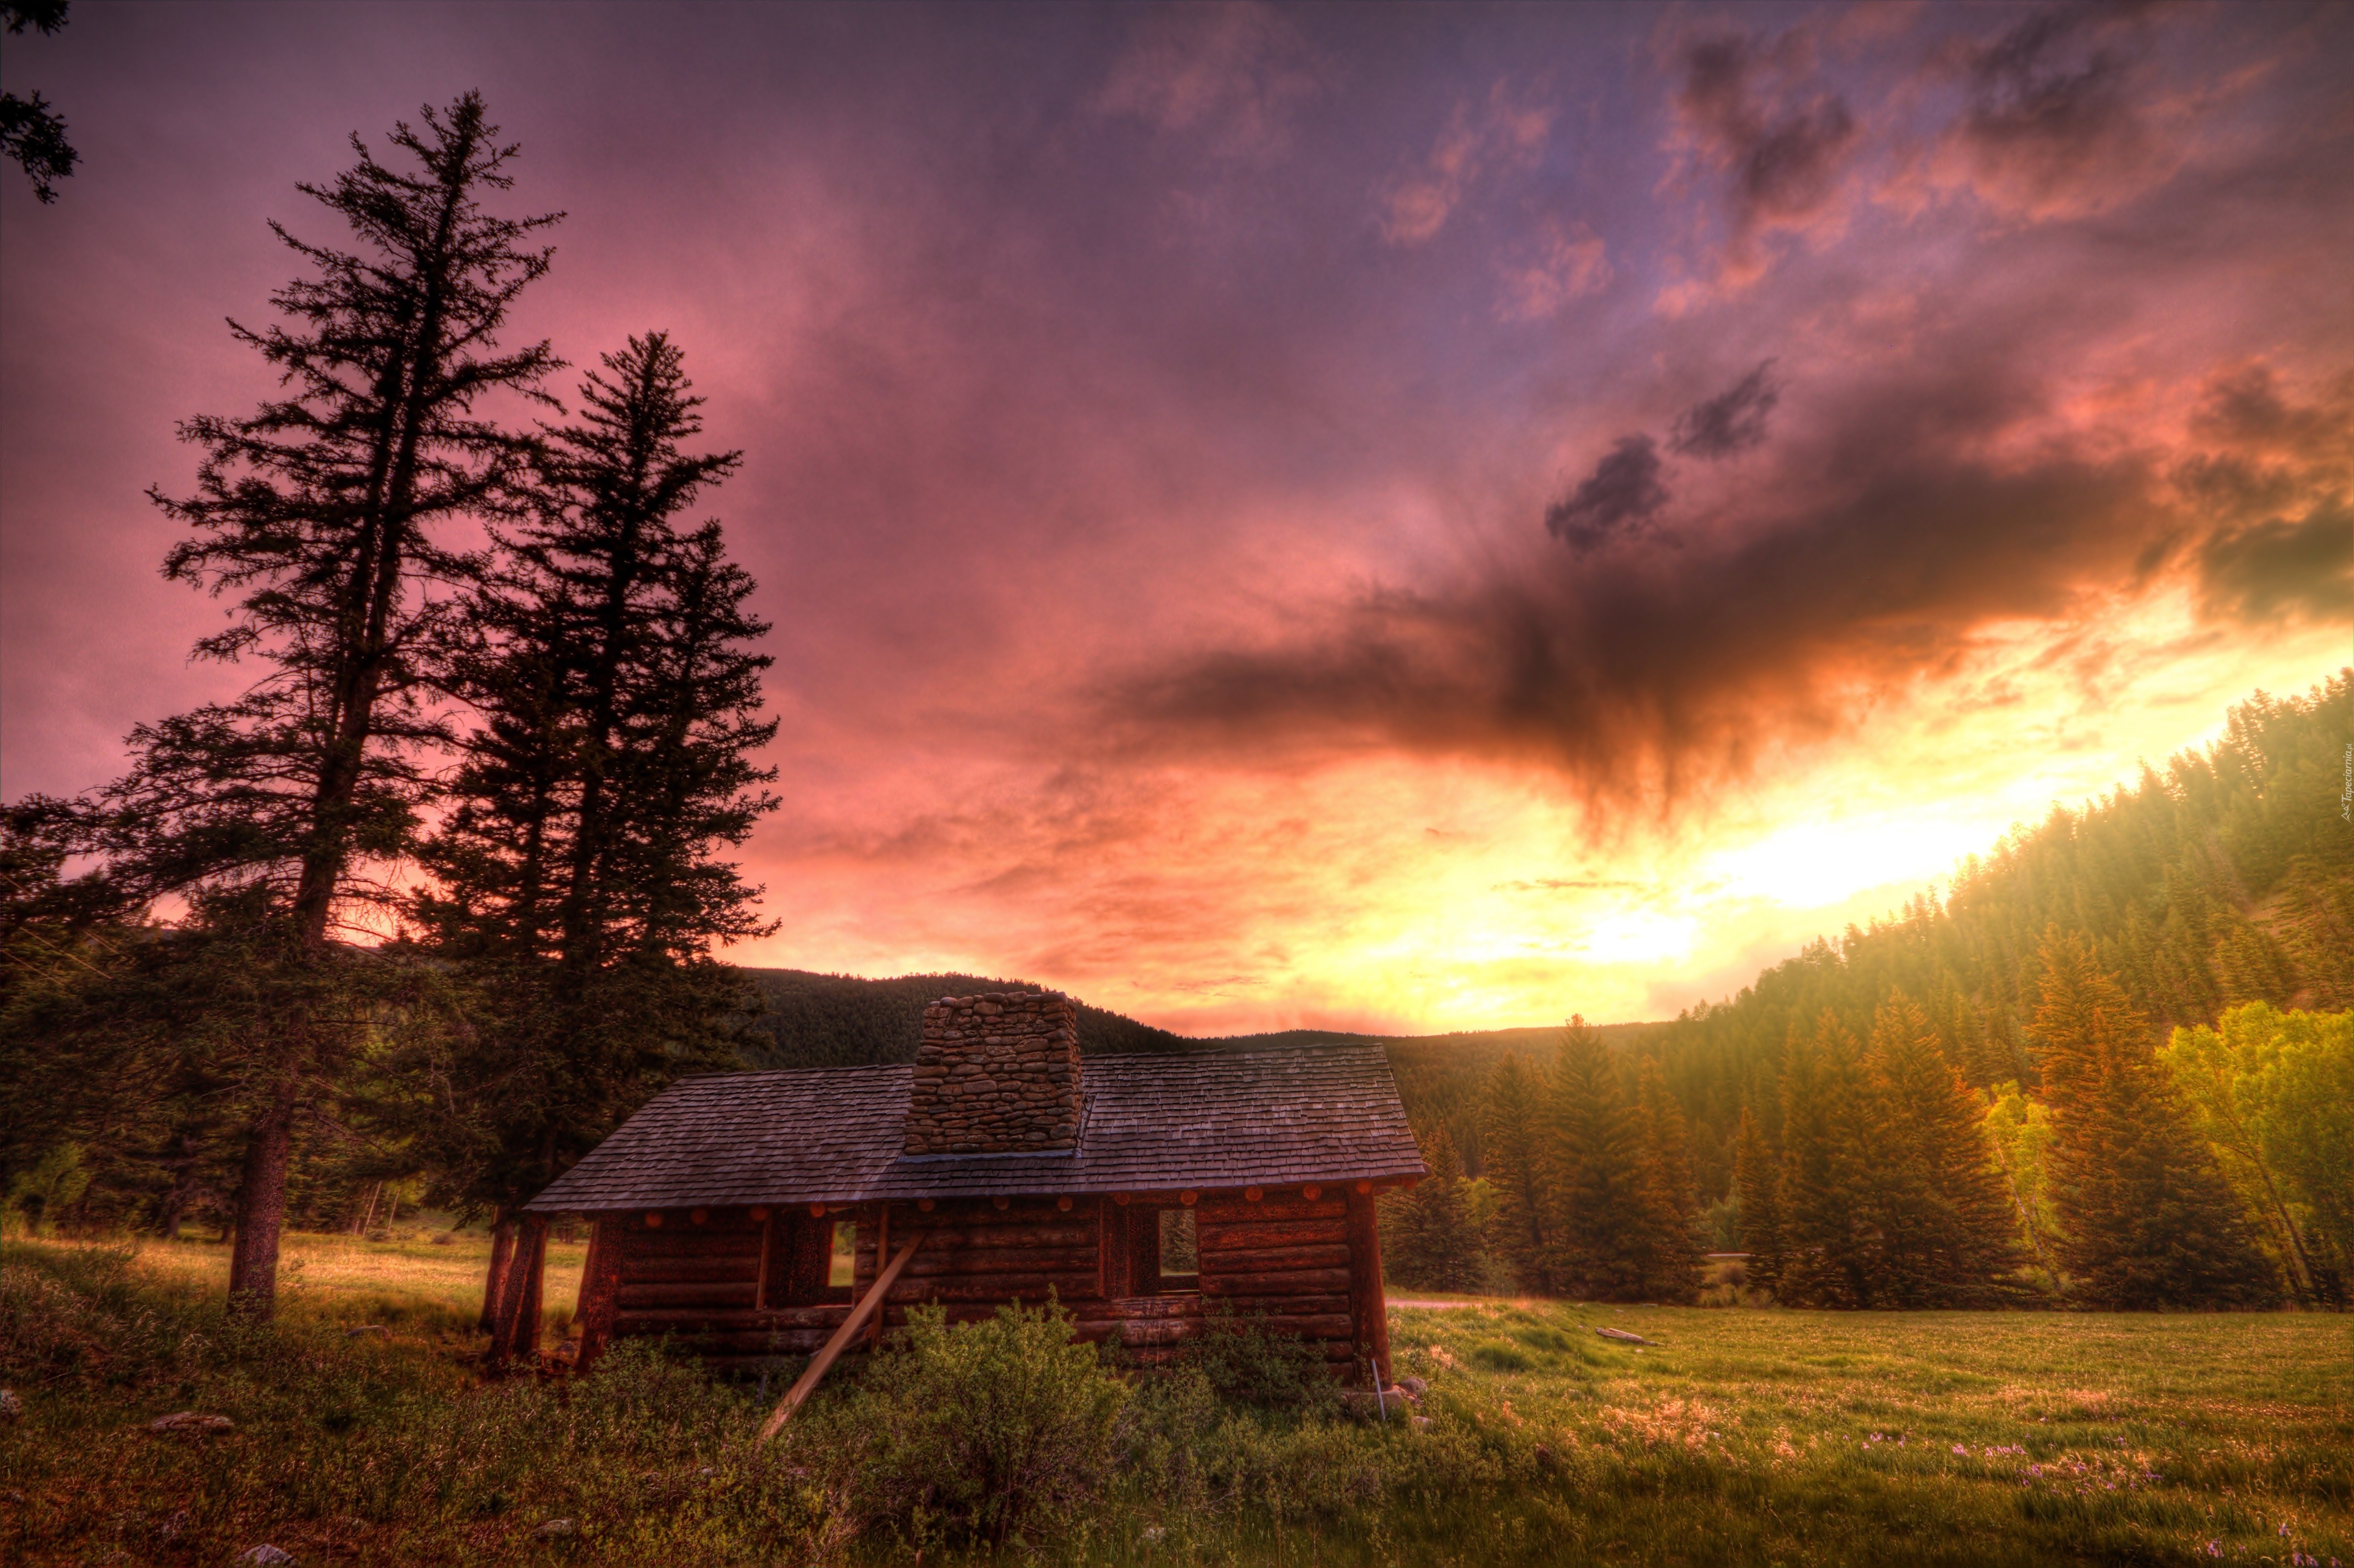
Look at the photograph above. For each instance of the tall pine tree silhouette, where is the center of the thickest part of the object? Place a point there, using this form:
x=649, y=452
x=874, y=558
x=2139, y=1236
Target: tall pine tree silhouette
x=2147, y=1219
x=1672, y=1264
x=1513, y=1142
x=1429, y=1226
x=331, y=514
x=1946, y=1233
x=1756, y=1180
x=1830, y=1247
x=579, y=875
x=1602, y=1224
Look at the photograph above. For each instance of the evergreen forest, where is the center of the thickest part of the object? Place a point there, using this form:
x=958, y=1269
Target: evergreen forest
x=2113, y=1063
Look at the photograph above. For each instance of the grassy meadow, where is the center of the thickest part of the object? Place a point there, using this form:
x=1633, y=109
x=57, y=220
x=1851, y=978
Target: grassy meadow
x=1744, y=1436
x=425, y=1280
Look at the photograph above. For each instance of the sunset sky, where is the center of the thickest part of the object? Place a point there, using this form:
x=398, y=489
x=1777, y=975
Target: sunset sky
x=1403, y=518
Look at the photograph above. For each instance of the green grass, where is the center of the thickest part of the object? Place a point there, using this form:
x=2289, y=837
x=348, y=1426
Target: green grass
x=1739, y=1437
x=424, y=1282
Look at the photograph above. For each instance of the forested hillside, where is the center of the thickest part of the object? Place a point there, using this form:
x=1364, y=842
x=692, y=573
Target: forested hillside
x=2113, y=1064
x=840, y=1021
x=2227, y=878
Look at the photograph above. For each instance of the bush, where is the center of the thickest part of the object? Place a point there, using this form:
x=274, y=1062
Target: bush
x=985, y=1431
x=1245, y=1362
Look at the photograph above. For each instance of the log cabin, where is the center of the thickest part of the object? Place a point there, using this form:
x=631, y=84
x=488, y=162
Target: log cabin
x=1144, y=1192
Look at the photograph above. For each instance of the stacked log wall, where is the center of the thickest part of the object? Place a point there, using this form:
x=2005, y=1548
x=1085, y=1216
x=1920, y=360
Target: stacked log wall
x=977, y=1257
x=701, y=1286
x=1283, y=1261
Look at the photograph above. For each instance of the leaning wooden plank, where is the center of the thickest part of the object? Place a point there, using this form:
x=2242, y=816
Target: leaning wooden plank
x=823, y=1361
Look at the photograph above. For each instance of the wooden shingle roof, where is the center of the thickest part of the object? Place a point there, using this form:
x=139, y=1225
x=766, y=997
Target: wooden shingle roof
x=1160, y=1123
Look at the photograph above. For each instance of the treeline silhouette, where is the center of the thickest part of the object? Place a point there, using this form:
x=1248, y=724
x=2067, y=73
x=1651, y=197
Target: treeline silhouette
x=2103, y=1067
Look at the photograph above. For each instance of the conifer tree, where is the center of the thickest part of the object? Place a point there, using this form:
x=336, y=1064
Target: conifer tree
x=33, y=135
x=1755, y=1177
x=1512, y=1137
x=330, y=513
x=2147, y=1219
x=1601, y=1220
x=1672, y=1264
x=1429, y=1239
x=1945, y=1224
x=579, y=874
x=1829, y=1250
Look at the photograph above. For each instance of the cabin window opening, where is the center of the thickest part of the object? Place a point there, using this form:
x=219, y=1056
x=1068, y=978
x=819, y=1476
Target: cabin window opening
x=810, y=1260
x=843, y=1271
x=1180, y=1262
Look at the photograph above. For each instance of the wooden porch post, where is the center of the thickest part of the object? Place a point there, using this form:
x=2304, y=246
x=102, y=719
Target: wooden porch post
x=1370, y=1306
x=532, y=1244
x=600, y=1287
x=516, y=1332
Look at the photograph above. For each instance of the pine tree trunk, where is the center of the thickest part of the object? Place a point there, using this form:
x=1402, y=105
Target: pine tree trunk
x=261, y=1210
x=502, y=1235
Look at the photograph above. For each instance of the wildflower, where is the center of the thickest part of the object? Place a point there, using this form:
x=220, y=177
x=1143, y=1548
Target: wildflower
x=1962, y=1448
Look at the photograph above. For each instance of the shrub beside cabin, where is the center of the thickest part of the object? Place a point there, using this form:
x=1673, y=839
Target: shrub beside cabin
x=1139, y=1190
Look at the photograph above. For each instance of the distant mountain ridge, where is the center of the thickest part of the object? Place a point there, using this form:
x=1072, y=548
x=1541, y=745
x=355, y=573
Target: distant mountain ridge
x=841, y=1021
x=844, y=1021
x=817, y=1019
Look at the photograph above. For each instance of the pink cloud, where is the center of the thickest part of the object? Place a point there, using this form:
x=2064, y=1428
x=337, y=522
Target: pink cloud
x=1504, y=131
x=1566, y=262
x=1234, y=72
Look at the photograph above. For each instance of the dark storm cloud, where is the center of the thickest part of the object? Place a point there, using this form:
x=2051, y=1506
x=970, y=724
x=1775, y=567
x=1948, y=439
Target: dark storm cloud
x=2248, y=410
x=1622, y=494
x=2280, y=568
x=1868, y=557
x=1628, y=489
x=1651, y=672
x=2056, y=118
x=2274, y=483
x=1731, y=421
x=1780, y=150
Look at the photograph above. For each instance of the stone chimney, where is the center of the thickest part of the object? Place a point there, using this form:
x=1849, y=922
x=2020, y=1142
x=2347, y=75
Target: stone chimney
x=997, y=1073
